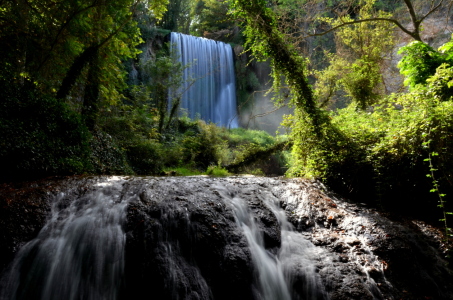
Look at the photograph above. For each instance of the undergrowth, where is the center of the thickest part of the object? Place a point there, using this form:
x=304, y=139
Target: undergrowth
x=186, y=147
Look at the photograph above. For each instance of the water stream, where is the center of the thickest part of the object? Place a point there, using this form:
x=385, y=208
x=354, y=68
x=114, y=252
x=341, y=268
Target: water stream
x=209, y=87
x=269, y=272
x=79, y=254
x=275, y=271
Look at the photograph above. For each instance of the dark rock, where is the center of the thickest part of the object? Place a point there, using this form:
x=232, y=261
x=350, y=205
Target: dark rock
x=183, y=240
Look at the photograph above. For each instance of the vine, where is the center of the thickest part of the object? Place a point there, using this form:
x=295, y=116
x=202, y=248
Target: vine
x=436, y=189
x=266, y=41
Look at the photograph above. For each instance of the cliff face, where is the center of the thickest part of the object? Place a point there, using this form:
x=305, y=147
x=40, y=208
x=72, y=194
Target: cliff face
x=229, y=238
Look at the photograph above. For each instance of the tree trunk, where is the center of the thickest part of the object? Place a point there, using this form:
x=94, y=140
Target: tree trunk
x=90, y=105
x=75, y=70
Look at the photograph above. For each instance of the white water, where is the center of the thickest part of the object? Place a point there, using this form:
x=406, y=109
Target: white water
x=296, y=257
x=272, y=284
x=212, y=96
x=79, y=254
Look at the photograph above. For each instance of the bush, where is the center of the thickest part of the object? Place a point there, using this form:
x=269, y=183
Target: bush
x=204, y=148
x=217, y=171
x=192, y=144
x=145, y=157
x=380, y=156
x=106, y=156
x=240, y=136
x=40, y=135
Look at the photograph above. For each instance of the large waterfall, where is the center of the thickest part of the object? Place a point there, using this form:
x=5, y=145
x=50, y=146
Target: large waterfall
x=209, y=89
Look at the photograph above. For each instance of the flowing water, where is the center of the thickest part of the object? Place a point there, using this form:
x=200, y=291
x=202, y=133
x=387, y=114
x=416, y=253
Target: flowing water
x=79, y=254
x=275, y=272
x=209, y=87
x=269, y=272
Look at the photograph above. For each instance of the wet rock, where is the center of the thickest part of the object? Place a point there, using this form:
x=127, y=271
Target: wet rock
x=24, y=208
x=193, y=239
x=183, y=240
x=394, y=260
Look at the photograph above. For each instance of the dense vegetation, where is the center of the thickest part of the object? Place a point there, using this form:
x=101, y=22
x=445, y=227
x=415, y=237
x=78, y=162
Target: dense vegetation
x=70, y=107
x=390, y=150
x=70, y=104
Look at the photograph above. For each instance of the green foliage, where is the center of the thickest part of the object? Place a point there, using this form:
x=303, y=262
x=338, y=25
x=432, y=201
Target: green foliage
x=159, y=85
x=379, y=156
x=48, y=36
x=241, y=136
x=441, y=83
x=217, y=171
x=134, y=130
x=209, y=145
x=362, y=82
x=106, y=156
x=355, y=68
x=177, y=18
x=419, y=62
x=188, y=144
x=204, y=148
x=266, y=42
x=436, y=189
x=145, y=157
x=211, y=16
x=181, y=171
x=40, y=136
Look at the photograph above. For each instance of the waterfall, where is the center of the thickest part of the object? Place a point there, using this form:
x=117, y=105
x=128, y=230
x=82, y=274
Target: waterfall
x=79, y=254
x=209, y=89
x=276, y=272
x=271, y=281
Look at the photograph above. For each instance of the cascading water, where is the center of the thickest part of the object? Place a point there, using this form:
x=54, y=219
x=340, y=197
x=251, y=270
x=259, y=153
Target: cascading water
x=209, y=238
x=79, y=254
x=297, y=255
x=272, y=284
x=275, y=272
x=209, y=88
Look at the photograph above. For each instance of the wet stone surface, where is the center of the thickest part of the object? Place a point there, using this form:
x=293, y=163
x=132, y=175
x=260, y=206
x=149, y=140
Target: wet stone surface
x=183, y=240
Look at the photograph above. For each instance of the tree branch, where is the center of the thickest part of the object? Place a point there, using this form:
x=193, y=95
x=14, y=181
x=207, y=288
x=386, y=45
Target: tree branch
x=431, y=10
x=60, y=31
x=398, y=24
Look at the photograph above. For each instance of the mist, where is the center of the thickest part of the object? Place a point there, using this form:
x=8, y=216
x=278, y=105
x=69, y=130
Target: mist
x=260, y=113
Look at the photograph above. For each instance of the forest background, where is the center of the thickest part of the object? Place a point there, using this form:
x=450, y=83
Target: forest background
x=374, y=130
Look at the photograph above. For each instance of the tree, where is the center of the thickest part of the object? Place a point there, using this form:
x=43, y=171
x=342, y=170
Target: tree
x=60, y=45
x=355, y=67
x=212, y=20
x=345, y=12
x=161, y=78
x=178, y=16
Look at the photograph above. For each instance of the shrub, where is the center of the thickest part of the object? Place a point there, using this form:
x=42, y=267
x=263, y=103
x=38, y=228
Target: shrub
x=380, y=156
x=40, y=135
x=217, y=171
x=106, y=156
x=145, y=157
